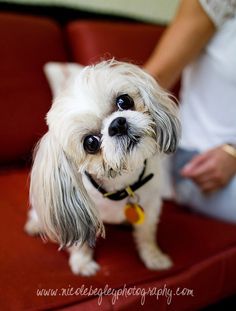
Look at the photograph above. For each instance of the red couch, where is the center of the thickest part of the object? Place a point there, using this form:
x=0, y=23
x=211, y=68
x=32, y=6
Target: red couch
x=34, y=274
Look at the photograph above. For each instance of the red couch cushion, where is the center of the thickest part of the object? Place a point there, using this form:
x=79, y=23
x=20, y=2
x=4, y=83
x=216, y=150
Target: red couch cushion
x=27, y=43
x=203, y=252
x=92, y=40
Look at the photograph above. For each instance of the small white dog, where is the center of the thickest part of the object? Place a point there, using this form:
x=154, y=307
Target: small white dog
x=100, y=162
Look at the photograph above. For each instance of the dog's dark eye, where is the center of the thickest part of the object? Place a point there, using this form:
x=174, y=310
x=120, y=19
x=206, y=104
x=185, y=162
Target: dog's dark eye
x=124, y=102
x=91, y=144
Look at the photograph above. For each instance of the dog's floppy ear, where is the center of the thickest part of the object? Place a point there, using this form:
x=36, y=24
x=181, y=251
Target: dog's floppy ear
x=162, y=108
x=66, y=213
x=165, y=114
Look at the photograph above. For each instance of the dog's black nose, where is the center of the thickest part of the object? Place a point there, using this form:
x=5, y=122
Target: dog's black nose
x=118, y=127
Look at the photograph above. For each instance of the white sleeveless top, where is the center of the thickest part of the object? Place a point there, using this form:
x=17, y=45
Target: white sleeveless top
x=208, y=93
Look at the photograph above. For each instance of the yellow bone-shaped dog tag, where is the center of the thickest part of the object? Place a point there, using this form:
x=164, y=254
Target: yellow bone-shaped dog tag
x=134, y=213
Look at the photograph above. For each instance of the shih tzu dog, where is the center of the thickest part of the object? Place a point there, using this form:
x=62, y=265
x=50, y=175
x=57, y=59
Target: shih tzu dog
x=100, y=162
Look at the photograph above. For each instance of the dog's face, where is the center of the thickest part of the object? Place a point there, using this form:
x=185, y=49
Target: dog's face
x=112, y=118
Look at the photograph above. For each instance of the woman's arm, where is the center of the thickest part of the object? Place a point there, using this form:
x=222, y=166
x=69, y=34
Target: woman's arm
x=181, y=43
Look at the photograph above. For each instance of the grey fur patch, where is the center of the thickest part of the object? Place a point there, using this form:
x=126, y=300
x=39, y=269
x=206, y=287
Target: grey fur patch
x=72, y=221
x=168, y=129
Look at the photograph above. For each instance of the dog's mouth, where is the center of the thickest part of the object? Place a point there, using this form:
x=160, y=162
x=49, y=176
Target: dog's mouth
x=128, y=142
x=112, y=173
x=133, y=141
x=128, y=149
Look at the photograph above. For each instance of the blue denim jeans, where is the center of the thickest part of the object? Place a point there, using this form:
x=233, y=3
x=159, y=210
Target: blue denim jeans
x=221, y=204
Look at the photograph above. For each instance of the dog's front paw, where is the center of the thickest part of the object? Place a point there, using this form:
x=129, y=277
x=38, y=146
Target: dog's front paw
x=154, y=259
x=158, y=262
x=82, y=265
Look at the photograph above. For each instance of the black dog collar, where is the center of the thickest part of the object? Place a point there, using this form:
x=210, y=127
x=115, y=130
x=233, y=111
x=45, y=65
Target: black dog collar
x=124, y=193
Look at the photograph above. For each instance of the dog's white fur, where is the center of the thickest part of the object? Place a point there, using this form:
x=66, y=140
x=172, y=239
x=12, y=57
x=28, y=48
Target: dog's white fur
x=69, y=209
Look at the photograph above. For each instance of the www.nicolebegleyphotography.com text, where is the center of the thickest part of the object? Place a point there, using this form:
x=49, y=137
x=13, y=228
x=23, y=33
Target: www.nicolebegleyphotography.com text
x=125, y=291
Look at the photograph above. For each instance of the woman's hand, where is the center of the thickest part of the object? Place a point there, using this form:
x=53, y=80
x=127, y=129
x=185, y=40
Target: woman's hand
x=211, y=170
